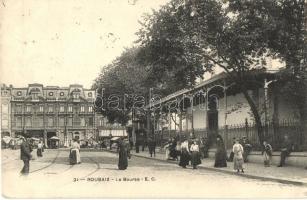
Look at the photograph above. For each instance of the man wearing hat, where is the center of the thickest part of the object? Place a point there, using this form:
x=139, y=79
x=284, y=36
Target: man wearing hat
x=25, y=154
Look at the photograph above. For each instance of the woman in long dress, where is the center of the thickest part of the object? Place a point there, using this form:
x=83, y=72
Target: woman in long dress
x=123, y=155
x=75, y=153
x=173, y=153
x=39, y=151
x=167, y=148
x=185, y=154
x=178, y=148
x=195, y=155
x=220, y=155
x=238, y=161
x=267, y=154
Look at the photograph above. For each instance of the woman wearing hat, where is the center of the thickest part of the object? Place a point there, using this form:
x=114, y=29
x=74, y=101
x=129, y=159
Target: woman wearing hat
x=123, y=154
x=195, y=155
x=220, y=154
x=75, y=152
x=185, y=154
x=39, y=150
x=237, y=149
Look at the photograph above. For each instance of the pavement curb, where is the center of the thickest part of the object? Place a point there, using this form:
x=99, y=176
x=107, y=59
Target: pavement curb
x=283, y=181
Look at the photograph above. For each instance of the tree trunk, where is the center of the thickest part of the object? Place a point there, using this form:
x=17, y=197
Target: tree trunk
x=255, y=113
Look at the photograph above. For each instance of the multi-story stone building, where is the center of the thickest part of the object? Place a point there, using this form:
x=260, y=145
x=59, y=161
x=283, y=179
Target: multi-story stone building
x=5, y=110
x=44, y=112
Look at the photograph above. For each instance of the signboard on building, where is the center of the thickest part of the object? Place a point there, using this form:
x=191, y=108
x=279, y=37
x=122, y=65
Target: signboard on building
x=107, y=132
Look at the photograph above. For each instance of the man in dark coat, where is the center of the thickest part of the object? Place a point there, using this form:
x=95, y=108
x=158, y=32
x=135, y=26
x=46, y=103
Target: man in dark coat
x=25, y=155
x=152, y=146
x=247, y=147
x=286, y=149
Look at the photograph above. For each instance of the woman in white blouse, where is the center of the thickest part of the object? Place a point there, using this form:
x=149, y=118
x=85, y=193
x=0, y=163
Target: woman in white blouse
x=185, y=154
x=238, y=156
x=195, y=155
x=75, y=153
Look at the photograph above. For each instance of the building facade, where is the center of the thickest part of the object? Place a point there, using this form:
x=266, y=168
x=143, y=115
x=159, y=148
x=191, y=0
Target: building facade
x=5, y=110
x=45, y=112
x=216, y=106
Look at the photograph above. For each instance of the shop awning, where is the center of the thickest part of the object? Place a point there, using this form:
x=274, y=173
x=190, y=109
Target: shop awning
x=54, y=138
x=115, y=138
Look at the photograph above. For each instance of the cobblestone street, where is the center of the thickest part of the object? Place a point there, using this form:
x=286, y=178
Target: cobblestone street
x=98, y=176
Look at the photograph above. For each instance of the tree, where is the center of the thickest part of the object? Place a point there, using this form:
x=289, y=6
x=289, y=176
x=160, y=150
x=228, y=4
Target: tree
x=185, y=39
x=124, y=84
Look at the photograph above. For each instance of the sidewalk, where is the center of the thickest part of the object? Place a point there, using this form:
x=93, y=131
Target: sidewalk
x=286, y=175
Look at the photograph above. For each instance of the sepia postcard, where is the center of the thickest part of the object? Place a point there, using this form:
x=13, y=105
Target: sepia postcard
x=153, y=99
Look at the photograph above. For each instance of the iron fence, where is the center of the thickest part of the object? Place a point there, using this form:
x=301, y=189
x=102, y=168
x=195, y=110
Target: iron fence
x=273, y=133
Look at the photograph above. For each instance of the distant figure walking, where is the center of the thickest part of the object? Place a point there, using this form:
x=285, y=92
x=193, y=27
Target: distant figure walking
x=220, y=155
x=75, y=153
x=39, y=150
x=127, y=144
x=267, y=154
x=286, y=149
x=123, y=155
x=167, y=148
x=230, y=158
x=206, y=149
x=25, y=155
x=173, y=152
x=185, y=154
x=247, y=148
x=178, y=148
x=195, y=155
x=238, y=151
x=152, y=146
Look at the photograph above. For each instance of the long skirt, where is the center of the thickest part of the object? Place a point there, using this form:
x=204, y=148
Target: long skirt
x=167, y=154
x=74, y=157
x=123, y=160
x=173, y=153
x=220, y=159
x=230, y=159
x=238, y=162
x=184, y=159
x=39, y=152
x=267, y=159
x=195, y=158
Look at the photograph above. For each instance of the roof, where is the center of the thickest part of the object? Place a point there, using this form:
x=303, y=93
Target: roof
x=217, y=77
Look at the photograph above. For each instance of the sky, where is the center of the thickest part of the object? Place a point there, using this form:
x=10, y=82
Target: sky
x=62, y=42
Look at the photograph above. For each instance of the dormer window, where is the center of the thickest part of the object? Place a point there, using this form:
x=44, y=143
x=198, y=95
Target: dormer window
x=51, y=94
x=61, y=94
x=19, y=93
x=90, y=94
x=76, y=94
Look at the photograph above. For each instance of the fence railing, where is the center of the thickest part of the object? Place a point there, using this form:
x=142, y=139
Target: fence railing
x=273, y=133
